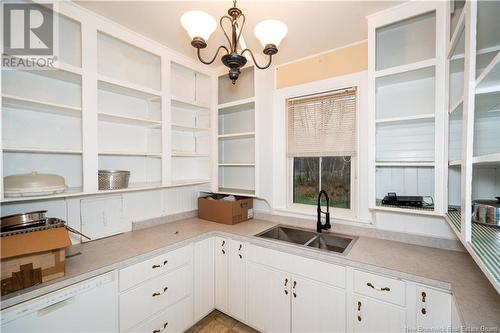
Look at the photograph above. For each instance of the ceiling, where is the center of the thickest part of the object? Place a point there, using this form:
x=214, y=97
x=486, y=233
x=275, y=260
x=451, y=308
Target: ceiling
x=313, y=26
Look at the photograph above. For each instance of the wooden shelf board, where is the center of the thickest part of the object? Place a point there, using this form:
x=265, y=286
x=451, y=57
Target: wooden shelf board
x=135, y=187
x=190, y=128
x=78, y=192
x=455, y=163
x=237, y=135
x=405, y=119
x=489, y=80
x=405, y=164
x=236, y=164
x=109, y=117
x=60, y=71
x=35, y=105
x=187, y=182
x=415, y=69
x=412, y=210
x=126, y=88
x=235, y=104
x=188, y=154
x=34, y=150
x=490, y=159
x=236, y=191
x=138, y=154
x=70, y=192
x=179, y=100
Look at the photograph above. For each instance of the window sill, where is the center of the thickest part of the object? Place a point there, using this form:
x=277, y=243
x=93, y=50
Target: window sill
x=305, y=212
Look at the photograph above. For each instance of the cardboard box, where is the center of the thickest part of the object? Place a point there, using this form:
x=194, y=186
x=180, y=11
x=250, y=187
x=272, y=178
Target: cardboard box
x=222, y=211
x=32, y=258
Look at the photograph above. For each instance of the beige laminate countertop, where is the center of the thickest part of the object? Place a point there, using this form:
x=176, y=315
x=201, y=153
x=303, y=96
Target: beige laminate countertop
x=477, y=300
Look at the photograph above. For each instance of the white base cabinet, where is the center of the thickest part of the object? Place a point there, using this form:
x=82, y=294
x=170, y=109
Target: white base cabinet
x=270, y=290
x=221, y=273
x=375, y=316
x=432, y=308
x=268, y=298
x=237, y=280
x=174, y=319
x=204, y=278
x=317, y=307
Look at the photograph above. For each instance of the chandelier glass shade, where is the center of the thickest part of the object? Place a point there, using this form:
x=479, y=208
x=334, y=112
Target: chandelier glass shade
x=200, y=25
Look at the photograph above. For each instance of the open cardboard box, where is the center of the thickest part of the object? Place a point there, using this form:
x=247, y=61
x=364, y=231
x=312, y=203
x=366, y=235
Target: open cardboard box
x=31, y=258
x=222, y=211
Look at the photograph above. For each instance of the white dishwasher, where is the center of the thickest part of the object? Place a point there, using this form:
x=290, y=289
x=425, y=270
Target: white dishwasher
x=89, y=306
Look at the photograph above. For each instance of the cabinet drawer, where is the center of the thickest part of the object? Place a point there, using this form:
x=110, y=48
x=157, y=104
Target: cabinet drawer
x=380, y=287
x=313, y=269
x=176, y=318
x=153, y=296
x=148, y=269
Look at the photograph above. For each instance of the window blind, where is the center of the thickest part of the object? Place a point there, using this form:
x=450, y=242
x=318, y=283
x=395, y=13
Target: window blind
x=322, y=124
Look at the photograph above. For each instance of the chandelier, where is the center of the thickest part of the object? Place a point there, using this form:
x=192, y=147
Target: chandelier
x=200, y=25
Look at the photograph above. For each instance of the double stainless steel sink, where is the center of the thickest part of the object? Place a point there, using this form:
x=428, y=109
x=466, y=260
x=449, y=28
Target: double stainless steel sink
x=324, y=241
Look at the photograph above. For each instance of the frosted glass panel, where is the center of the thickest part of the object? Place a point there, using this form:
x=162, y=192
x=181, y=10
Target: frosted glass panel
x=456, y=9
x=457, y=72
x=406, y=41
x=70, y=41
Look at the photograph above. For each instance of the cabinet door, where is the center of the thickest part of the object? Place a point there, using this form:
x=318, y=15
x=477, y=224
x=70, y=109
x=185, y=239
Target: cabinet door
x=376, y=316
x=103, y=217
x=268, y=298
x=433, y=308
x=237, y=277
x=204, y=278
x=317, y=307
x=221, y=273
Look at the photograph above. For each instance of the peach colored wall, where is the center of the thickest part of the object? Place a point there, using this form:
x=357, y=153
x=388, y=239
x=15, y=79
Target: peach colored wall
x=339, y=62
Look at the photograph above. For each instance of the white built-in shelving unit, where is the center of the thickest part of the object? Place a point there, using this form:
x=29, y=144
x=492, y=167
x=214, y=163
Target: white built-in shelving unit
x=114, y=100
x=190, y=124
x=39, y=107
x=406, y=68
x=129, y=110
x=474, y=125
x=236, y=134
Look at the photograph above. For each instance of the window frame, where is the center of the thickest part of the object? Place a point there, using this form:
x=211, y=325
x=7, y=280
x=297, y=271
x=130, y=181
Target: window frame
x=341, y=213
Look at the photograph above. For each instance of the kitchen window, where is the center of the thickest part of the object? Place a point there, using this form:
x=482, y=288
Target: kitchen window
x=321, y=147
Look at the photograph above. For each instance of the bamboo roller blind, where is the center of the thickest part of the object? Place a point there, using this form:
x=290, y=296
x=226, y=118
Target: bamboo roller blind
x=323, y=124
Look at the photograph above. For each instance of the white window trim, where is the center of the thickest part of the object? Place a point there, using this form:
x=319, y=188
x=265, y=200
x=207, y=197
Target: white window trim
x=283, y=180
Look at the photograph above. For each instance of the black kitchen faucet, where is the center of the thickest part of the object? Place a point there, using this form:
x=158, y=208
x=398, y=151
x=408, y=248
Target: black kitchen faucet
x=327, y=225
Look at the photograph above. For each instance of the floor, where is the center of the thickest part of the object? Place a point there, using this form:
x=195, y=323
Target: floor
x=218, y=322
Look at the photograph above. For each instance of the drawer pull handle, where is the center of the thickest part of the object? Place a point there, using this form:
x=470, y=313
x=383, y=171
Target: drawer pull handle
x=161, y=265
x=380, y=289
x=424, y=310
x=161, y=329
x=286, y=283
x=359, y=311
x=160, y=293
x=239, y=249
x=223, y=251
x=294, y=286
x=241, y=257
